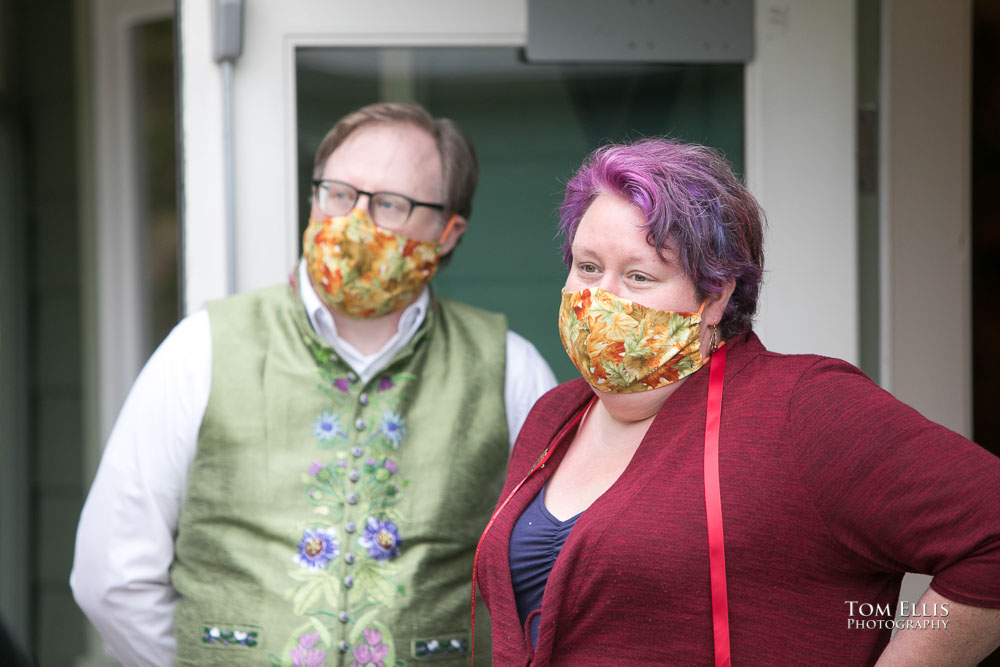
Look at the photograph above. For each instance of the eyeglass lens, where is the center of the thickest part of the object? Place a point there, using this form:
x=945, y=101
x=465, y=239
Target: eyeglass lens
x=387, y=210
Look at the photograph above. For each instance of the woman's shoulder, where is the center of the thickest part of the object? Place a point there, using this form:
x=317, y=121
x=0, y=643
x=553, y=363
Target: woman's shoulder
x=758, y=365
x=549, y=414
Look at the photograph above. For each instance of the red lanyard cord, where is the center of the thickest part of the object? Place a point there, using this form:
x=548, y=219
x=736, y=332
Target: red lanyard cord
x=713, y=510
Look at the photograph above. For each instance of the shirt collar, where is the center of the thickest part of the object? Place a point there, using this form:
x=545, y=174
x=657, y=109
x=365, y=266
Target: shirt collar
x=364, y=365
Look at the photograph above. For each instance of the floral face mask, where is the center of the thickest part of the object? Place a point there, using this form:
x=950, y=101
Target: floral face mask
x=622, y=347
x=364, y=271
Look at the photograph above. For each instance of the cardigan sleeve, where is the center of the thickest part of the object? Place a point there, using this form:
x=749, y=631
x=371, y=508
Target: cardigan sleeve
x=896, y=490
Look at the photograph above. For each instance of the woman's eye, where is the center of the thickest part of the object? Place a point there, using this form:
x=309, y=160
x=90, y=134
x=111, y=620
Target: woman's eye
x=588, y=268
x=639, y=278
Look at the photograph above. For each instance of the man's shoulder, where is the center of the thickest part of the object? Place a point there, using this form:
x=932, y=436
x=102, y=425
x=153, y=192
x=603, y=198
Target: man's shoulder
x=463, y=310
x=252, y=313
x=264, y=295
x=463, y=319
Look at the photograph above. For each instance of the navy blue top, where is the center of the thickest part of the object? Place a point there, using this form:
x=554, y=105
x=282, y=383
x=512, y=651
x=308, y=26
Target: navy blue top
x=534, y=545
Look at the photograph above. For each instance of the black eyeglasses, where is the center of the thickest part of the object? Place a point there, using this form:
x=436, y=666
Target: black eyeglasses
x=388, y=209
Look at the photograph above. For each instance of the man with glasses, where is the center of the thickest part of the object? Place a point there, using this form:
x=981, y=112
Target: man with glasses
x=300, y=474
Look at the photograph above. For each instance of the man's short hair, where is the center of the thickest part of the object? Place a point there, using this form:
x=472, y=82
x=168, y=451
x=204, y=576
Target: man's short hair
x=458, y=158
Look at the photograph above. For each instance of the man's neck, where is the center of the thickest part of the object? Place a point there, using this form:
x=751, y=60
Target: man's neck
x=367, y=336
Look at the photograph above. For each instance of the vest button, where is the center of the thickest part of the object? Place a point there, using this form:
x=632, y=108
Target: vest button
x=363, y=398
x=360, y=424
x=352, y=376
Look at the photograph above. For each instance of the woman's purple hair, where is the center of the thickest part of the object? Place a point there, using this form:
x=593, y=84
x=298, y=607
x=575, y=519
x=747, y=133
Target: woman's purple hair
x=693, y=203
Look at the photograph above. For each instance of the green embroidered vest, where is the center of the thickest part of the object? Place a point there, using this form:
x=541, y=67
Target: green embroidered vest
x=333, y=522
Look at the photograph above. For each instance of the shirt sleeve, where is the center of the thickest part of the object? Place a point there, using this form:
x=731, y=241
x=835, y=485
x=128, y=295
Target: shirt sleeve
x=900, y=492
x=528, y=377
x=125, y=540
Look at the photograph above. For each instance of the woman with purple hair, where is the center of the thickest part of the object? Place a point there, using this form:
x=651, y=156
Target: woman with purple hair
x=694, y=495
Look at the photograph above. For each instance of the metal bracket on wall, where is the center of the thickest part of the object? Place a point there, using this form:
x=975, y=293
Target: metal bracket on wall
x=661, y=31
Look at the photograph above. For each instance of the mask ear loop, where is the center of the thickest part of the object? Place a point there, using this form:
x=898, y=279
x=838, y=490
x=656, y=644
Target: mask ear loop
x=447, y=229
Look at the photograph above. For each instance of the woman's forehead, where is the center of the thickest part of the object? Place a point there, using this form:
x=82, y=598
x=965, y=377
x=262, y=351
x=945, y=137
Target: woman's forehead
x=612, y=225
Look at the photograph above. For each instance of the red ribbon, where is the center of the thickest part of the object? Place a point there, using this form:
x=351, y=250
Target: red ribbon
x=713, y=510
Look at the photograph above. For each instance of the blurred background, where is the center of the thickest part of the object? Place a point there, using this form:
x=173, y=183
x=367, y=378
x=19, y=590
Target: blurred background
x=869, y=130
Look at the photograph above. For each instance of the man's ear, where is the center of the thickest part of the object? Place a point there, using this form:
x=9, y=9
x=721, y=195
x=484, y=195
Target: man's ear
x=453, y=232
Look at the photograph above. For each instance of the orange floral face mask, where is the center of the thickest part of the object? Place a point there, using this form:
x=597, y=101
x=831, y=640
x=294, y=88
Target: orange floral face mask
x=363, y=271
x=622, y=347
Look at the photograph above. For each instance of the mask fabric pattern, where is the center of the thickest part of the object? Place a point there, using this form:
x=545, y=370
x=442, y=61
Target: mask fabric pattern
x=363, y=271
x=623, y=347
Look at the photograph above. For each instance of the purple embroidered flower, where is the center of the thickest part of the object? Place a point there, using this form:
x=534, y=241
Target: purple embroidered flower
x=391, y=466
x=315, y=467
x=381, y=538
x=317, y=548
x=341, y=464
x=371, y=461
x=385, y=383
x=342, y=384
x=327, y=427
x=392, y=428
x=373, y=652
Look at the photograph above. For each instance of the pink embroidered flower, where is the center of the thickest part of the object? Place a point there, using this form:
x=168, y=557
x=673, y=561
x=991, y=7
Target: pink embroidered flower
x=342, y=385
x=372, y=652
x=391, y=466
x=304, y=655
x=385, y=383
x=315, y=467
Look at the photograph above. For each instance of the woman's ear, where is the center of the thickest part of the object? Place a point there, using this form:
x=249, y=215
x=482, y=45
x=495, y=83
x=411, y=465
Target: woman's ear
x=715, y=305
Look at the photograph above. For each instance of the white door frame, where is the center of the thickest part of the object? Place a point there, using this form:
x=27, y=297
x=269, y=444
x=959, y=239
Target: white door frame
x=113, y=346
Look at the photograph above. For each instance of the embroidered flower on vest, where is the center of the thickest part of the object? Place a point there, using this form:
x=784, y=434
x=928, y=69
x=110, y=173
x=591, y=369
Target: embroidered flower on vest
x=317, y=548
x=327, y=427
x=393, y=428
x=372, y=652
x=381, y=538
x=304, y=655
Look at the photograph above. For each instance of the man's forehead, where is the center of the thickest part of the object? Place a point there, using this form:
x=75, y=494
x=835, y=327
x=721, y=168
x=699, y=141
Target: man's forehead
x=387, y=156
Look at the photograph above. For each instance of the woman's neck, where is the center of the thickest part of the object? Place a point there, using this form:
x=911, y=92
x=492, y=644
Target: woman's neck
x=630, y=408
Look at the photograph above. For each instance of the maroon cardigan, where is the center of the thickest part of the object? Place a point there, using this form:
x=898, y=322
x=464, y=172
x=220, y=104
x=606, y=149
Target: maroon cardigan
x=831, y=489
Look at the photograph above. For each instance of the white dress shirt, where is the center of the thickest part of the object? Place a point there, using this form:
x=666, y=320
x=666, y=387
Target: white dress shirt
x=125, y=541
